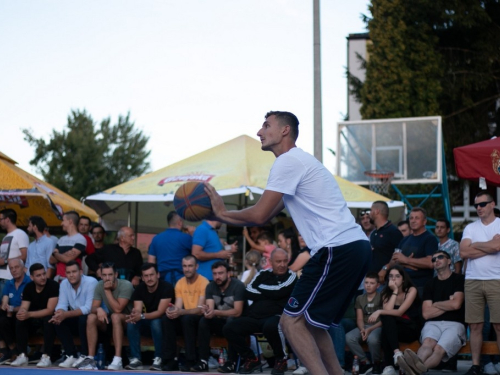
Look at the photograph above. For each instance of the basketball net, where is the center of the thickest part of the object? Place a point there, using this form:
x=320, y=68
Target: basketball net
x=379, y=181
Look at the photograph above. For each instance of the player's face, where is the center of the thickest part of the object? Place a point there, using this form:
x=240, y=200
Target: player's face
x=74, y=274
x=107, y=275
x=220, y=275
x=270, y=133
x=487, y=210
x=441, y=230
x=150, y=277
x=16, y=269
x=371, y=285
x=417, y=221
x=405, y=230
x=279, y=263
x=39, y=277
x=189, y=268
x=84, y=226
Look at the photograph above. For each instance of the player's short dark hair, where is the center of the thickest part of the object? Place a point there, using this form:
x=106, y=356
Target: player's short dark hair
x=38, y=222
x=146, y=266
x=73, y=263
x=10, y=214
x=267, y=236
x=383, y=207
x=189, y=257
x=445, y=221
x=35, y=267
x=372, y=275
x=420, y=209
x=221, y=263
x=73, y=216
x=287, y=118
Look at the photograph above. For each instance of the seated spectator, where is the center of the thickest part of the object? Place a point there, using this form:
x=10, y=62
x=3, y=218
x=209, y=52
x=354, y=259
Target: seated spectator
x=40, y=250
x=70, y=318
x=225, y=299
x=264, y=245
x=400, y=316
x=366, y=305
x=252, y=265
x=11, y=302
x=269, y=291
x=189, y=296
x=288, y=241
x=151, y=299
x=443, y=308
x=110, y=306
x=40, y=298
x=126, y=258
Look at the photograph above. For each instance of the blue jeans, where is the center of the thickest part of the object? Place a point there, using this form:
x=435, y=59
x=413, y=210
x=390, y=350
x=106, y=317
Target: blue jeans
x=338, y=337
x=152, y=328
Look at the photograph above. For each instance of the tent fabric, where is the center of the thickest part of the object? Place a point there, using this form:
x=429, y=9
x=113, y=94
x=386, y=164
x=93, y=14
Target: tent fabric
x=477, y=160
x=29, y=196
x=238, y=169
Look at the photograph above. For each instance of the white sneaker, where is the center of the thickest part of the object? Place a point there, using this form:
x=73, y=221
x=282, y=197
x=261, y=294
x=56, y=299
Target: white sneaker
x=44, y=361
x=212, y=363
x=490, y=369
x=301, y=370
x=68, y=362
x=389, y=370
x=79, y=361
x=497, y=367
x=396, y=356
x=116, y=364
x=21, y=360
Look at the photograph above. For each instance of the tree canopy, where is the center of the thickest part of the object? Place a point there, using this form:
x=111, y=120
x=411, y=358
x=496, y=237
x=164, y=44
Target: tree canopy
x=86, y=157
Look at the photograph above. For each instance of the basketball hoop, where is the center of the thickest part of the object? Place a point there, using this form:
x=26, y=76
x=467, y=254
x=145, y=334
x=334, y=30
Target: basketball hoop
x=379, y=180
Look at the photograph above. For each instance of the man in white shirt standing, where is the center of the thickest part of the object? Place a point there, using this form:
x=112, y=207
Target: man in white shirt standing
x=480, y=246
x=14, y=244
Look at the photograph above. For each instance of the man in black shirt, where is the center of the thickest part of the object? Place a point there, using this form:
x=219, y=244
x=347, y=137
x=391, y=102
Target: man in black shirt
x=444, y=333
x=151, y=299
x=40, y=298
x=269, y=291
x=126, y=258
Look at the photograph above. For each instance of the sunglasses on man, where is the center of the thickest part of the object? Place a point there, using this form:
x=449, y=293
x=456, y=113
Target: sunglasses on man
x=440, y=257
x=482, y=204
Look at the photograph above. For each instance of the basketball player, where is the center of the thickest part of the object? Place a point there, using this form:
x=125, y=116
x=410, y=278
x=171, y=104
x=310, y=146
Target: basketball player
x=340, y=251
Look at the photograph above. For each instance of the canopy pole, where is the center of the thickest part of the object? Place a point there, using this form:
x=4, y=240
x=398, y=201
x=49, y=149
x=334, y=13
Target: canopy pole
x=129, y=214
x=136, y=221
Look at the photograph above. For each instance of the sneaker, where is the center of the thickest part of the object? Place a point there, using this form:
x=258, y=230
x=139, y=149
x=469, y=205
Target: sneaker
x=403, y=365
x=280, y=367
x=301, y=370
x=250, y=366
x=365, y=368
x=490, y=369
x=156, y=366
x=68, y=362
x=389, y=370
x=414, y=361
x=116, y=364
x=227, y=367
x=474, y=370
x=21, y=360
x=497, y=367
x=60, y=360
x=201, y=366
x=134, y=364
x=171, y=365
x=88, y=364
x=396, y=356
x=79, y=361
x=44, y=361
x=377, y=368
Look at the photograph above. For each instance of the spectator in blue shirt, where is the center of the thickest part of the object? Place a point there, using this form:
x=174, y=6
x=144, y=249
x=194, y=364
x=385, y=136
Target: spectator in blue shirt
x=75, y=302
x=40, y=250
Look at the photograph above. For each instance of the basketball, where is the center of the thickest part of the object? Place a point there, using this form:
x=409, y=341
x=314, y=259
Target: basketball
x=191, y=202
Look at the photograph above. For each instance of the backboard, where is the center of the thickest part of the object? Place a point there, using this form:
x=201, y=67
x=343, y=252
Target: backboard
x=409, y=147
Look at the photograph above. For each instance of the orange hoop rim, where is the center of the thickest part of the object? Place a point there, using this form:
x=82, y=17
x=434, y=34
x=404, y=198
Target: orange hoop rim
x=379, y=174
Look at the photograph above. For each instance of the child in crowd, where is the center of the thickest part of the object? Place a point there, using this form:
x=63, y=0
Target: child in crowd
x=252, y=265
x=366, y=304
x=265, y=245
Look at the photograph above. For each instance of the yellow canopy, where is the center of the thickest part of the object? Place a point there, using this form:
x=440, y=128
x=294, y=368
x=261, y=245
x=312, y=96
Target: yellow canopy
x=29, y=196
x=238, y=169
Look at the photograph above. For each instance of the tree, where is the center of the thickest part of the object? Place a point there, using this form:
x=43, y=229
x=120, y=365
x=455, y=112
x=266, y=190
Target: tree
x=87, y=158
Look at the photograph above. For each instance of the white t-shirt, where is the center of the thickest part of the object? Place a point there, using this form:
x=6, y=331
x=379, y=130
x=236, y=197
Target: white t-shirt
x=314, y=200
x=11, y=243
x=487, y=267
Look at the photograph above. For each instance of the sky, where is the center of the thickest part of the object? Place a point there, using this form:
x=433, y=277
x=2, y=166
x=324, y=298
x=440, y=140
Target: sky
x=192, y=73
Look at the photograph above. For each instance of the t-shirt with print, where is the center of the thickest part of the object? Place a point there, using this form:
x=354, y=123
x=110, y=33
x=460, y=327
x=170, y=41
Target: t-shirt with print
x=38, y=301
x=151, y=301
x=191, y=293
x=67, y=243
x=124, y=289
x=10, y=248
x=235, y=291
x=368, y=307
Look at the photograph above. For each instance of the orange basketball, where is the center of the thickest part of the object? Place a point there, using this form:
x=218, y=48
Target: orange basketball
x=191, y=202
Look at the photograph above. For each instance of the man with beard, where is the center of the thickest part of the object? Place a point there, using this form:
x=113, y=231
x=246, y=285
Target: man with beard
x=75, y=302
x=366, y=223
x=40, y=298
x=189, y=296
x=98, y=234
x=40, y=250
x=151, y=298
x=114, y=294
x=225, y=299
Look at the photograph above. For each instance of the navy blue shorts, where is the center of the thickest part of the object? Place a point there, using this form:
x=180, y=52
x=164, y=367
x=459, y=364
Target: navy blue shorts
x=328, y=283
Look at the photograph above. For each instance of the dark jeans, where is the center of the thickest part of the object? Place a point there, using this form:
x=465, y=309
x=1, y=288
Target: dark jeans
x=237, y=330
x=70, y=327
x=189, y=328
x=394, y=330
x=208, y=327
x=25, y=327
x=7, y=329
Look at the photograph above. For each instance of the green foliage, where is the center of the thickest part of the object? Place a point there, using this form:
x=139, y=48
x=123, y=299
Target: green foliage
x=87, y=158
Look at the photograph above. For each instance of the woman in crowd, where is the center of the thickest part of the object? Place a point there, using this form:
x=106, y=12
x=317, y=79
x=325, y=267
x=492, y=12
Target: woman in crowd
x=288, y=241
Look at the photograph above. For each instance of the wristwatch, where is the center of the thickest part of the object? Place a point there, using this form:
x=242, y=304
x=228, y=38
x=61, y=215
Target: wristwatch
x=143, y=316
